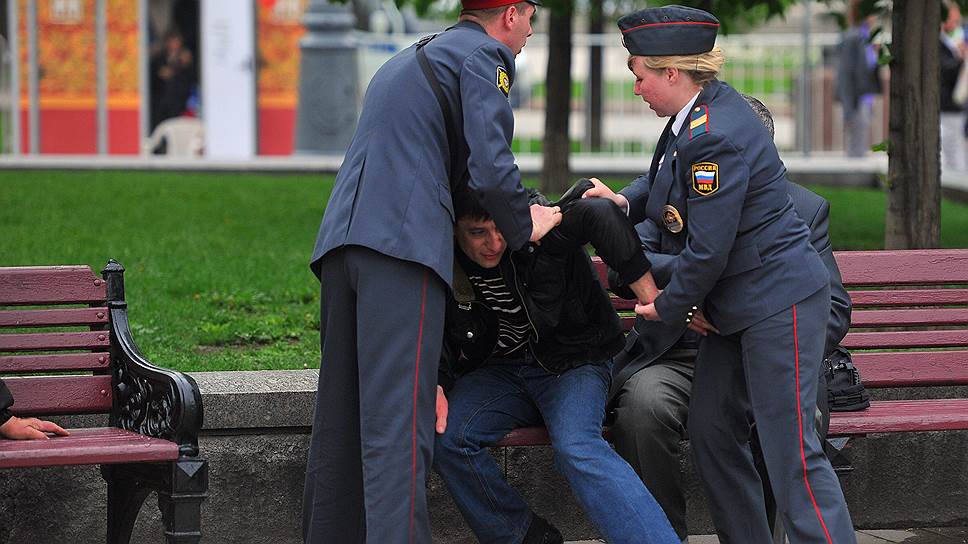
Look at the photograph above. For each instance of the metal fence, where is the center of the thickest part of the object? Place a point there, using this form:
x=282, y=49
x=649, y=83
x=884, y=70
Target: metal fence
x=767, y=66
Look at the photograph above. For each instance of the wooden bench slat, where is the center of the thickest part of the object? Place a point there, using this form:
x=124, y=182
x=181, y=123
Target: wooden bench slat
x=86, y=447
x=50, y=285
x=628, y=321
x=903, y=416
x=912, y=368
x=526, y=436
x=54, y=362
x=909, y=297
x=53, y=318
x=622, y=304
x=52, y=395
x=921, y=266
x=50, y=341
x=906, y=339
x=904, y=318
x=881, y=417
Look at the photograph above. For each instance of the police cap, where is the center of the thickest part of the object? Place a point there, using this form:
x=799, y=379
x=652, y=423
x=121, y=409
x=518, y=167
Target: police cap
x=668, y=30
x=485, y=4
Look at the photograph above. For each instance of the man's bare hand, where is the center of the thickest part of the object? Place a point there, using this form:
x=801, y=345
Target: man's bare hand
x=698, y=321
x=648, y=311
x=543, y=219
x=645, y=289
x=701, y=325
x=441, y=424
x=29, y=428
x=600, y=190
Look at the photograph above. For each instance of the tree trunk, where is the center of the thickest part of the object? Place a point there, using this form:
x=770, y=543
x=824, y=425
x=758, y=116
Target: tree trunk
x=556, y=175
x=593, y=114
x=913, y=216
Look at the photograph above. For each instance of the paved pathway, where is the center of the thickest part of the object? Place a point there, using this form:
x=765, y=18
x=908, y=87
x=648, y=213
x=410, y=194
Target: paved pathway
x=956, y=535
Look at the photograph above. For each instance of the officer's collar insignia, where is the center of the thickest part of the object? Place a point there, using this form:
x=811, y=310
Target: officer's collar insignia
x=699, y=121
x=705, y=178
x=503, y=81
x=672, y=219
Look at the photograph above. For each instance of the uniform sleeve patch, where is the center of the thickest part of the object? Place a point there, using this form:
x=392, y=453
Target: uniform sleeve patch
x=705, y=178
x=503, y=81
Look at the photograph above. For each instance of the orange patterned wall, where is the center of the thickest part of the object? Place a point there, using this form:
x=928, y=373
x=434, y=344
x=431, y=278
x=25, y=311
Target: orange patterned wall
x=279, y=30
x=66, y=53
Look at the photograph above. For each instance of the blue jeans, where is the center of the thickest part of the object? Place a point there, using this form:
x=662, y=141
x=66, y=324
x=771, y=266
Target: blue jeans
x=503, y=395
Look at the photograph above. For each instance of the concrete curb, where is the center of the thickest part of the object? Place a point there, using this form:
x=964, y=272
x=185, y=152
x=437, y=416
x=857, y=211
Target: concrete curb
x=256, y=438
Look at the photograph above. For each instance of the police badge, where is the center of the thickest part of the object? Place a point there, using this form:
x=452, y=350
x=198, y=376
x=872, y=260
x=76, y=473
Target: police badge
x=671, y=219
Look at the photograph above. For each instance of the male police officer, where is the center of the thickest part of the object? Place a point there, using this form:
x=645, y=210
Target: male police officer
x=384, y=255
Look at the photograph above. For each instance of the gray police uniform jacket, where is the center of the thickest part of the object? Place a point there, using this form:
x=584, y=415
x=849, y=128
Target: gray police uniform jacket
x=649, y=340
x=392, y=193
x=745, y=254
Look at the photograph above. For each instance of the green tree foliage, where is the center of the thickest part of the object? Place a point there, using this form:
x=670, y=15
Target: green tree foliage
x=737, y=15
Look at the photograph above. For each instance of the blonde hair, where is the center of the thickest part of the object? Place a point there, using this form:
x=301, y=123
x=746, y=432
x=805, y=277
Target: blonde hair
x=701, y=68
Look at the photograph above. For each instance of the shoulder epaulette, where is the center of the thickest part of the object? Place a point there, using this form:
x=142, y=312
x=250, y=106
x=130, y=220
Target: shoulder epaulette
x=699, y=121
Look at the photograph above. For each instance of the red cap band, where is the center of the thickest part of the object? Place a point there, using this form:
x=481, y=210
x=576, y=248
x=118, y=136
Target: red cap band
x=485, y=4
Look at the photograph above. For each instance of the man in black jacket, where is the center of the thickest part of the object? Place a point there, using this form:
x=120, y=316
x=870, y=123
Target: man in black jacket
x=17, y=428
x=529, y=339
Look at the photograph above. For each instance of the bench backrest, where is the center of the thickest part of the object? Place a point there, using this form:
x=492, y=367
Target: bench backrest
x=55, y=340
x=909, y=324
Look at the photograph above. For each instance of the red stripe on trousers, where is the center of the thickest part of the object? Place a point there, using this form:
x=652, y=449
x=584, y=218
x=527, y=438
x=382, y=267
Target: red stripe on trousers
x=803, y=457
x=413, y=432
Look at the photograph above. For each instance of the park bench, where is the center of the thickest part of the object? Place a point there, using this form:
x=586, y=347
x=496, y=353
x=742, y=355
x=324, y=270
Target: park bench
x=908, y=331
x=66, y=349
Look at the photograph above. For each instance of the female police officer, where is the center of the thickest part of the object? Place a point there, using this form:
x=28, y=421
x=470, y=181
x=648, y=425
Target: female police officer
x=744, y=257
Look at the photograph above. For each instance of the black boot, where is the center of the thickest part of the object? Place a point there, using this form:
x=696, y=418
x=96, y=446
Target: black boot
x=542, y=532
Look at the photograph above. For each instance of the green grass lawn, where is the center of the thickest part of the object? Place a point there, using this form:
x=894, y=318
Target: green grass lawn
x=217, y=273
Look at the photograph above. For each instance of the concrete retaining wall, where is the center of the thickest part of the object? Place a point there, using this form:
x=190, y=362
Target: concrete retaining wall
x=257, y=431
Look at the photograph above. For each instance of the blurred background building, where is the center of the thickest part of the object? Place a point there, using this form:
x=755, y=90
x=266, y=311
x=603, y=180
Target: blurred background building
x=220, y=78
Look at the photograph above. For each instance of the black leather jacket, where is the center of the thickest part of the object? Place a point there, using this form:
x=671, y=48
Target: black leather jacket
x=571, y=314
x=6, y=401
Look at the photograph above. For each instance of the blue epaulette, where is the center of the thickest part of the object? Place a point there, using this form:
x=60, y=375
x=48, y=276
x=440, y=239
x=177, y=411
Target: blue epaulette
x=699, y=121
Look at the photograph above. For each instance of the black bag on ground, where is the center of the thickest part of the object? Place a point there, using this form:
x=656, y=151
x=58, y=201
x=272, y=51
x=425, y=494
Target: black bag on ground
x=845, y=392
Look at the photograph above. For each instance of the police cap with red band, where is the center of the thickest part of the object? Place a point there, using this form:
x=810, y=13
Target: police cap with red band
x=485, y=4
x=669, y=30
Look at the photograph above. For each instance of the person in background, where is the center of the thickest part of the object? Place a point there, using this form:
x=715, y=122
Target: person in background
x=172, y=79
x=951, y=55
x=858, y=81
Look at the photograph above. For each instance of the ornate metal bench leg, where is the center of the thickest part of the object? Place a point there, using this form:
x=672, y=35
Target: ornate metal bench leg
x=126, y=494
x=181, y=501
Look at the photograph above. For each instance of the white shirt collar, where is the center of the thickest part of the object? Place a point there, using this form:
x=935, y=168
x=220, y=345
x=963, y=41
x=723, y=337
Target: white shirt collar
x=683, y=113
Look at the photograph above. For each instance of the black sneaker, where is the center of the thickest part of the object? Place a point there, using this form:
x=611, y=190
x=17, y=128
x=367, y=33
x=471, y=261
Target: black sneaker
x=542, y=532
x=574, y=193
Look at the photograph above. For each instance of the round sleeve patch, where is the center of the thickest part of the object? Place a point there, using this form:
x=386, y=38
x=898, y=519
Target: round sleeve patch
x=503, y=81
